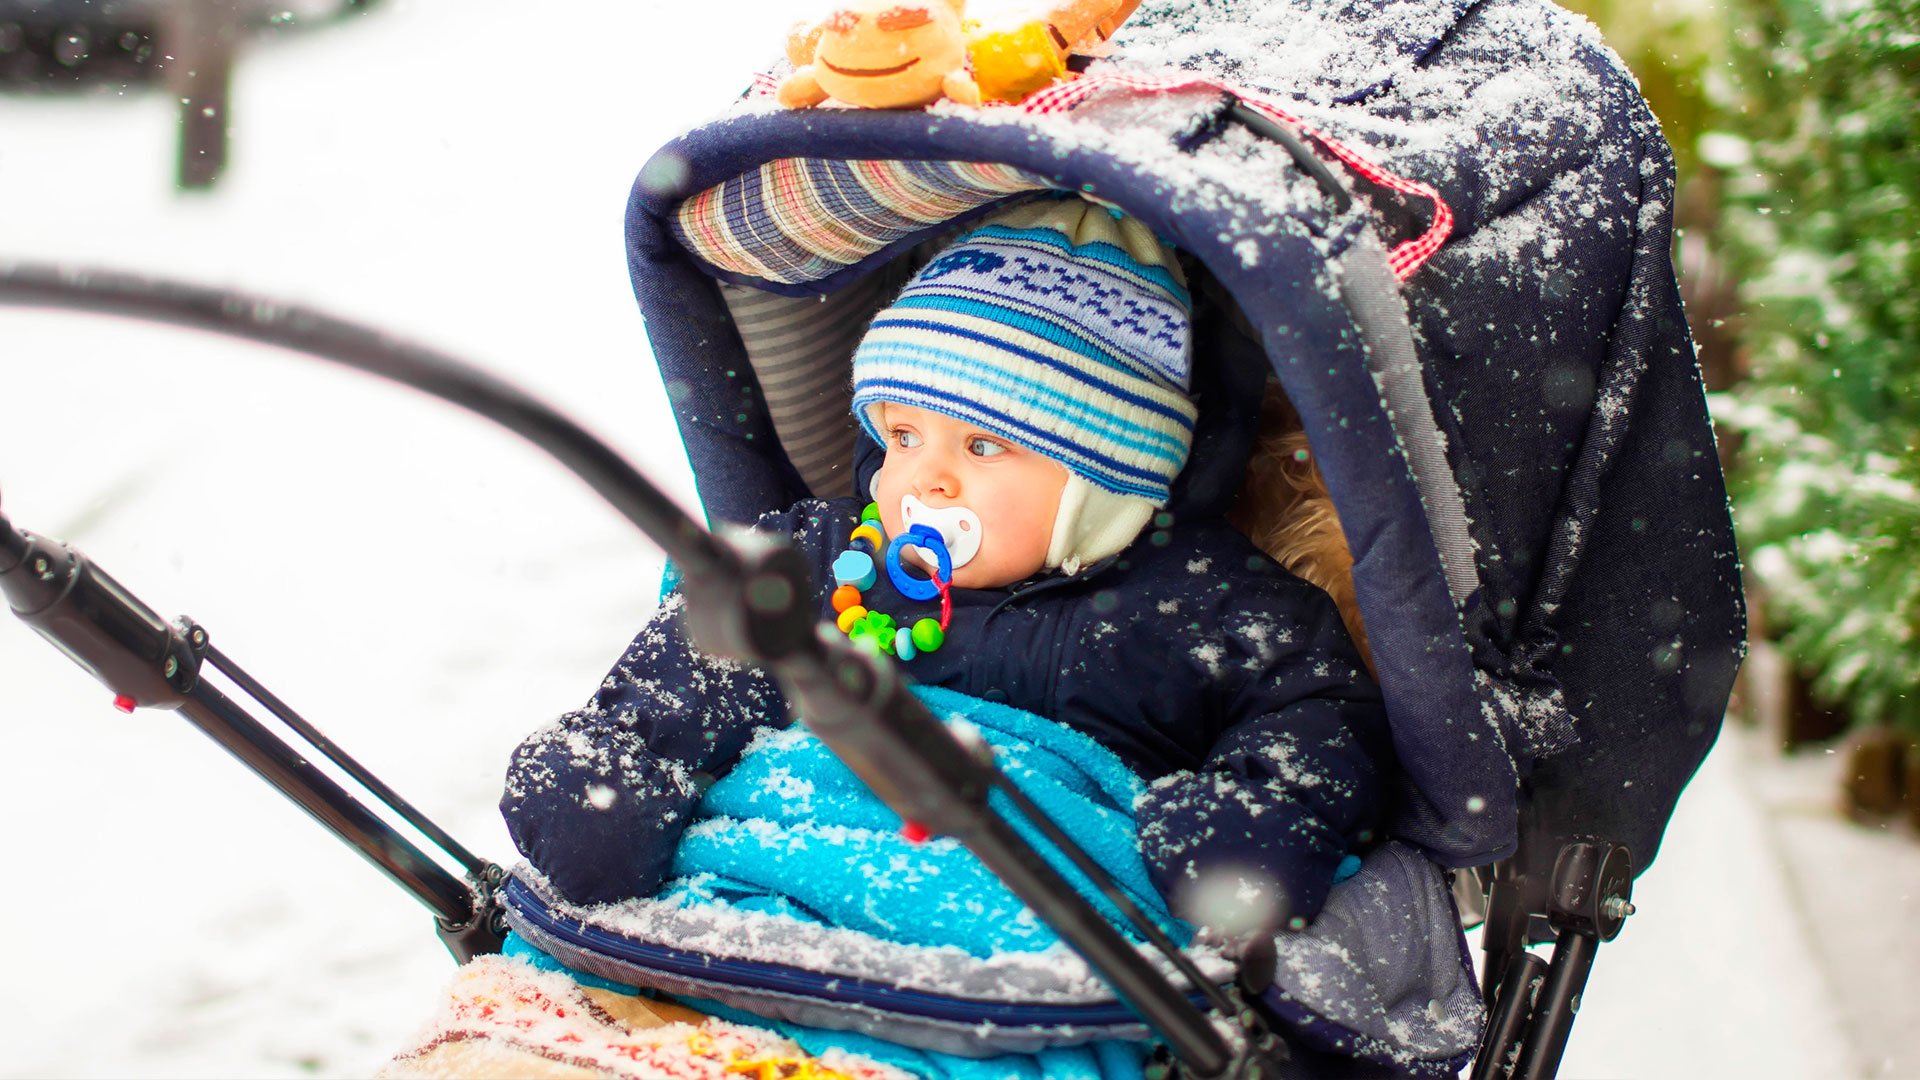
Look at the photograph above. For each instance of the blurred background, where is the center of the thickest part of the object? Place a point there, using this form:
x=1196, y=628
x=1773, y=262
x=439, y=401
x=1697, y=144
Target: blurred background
x=427, y=590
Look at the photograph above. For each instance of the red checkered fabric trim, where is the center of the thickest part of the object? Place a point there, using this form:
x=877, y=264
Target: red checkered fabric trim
x=1405, y=258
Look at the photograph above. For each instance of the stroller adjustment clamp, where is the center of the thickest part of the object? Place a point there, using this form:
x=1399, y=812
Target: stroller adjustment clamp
x=1533, y=1002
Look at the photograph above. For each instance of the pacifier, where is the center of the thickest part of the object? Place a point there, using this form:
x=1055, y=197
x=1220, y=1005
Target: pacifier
x=959, y=527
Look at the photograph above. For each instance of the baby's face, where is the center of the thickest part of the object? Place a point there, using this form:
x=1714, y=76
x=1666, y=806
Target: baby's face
x=1000, y=497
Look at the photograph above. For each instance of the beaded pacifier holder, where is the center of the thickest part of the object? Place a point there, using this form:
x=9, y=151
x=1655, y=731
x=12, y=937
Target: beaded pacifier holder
x=854, y=572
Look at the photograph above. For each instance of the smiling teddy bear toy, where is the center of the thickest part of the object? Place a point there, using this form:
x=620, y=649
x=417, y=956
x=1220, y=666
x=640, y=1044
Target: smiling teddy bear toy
x=880, y=54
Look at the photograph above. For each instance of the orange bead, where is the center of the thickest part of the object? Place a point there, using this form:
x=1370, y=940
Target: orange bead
x=850, y=616
x=845, y=597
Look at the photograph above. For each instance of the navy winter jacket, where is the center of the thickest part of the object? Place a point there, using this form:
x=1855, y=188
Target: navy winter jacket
x=1227, y=683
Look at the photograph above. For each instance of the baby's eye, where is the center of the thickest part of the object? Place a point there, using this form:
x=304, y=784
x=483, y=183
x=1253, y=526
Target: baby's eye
x=905, y=439
x=979, y=446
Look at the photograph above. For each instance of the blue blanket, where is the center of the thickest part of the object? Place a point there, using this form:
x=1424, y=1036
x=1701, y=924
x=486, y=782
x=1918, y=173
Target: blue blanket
x=791, y=830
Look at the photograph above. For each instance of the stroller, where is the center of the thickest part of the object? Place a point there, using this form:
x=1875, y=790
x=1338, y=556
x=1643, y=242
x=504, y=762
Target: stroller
x=1443, y=228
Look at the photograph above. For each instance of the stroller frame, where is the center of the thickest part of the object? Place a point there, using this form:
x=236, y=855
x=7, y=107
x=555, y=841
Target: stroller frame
x=746, y=592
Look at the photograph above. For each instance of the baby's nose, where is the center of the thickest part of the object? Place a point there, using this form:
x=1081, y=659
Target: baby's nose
x=936, y=477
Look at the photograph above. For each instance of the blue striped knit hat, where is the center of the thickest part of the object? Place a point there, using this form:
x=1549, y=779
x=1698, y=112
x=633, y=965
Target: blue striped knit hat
x=1061, y=325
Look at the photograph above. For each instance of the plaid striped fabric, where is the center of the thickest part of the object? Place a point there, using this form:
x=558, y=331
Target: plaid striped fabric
x=1058, y=324
x=798, y=220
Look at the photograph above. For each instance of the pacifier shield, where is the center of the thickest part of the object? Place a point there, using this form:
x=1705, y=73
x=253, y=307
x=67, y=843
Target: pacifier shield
x=959, y=527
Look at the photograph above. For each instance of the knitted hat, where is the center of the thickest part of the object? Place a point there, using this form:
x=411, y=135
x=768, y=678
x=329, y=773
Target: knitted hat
x=1064, y=327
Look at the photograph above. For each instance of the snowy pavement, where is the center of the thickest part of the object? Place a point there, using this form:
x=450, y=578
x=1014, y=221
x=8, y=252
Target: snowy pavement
x=1857, y=885
x=1716, y=974
x=426, y=589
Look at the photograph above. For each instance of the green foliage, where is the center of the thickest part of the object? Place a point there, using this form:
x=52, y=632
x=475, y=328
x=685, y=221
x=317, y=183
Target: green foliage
x=1819, y=142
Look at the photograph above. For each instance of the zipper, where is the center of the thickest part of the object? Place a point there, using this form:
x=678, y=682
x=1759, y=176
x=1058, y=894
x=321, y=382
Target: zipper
x=781, y=978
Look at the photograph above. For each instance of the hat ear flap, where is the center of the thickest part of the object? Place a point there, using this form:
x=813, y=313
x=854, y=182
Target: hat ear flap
x=1093, y=523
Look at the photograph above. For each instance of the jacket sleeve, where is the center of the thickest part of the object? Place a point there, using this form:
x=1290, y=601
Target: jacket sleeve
x=597, y=799
x=1293, y=778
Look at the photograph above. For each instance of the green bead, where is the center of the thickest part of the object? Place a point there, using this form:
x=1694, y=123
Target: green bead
x=863, y=638
x=873, y=632
x=927, y=635
x=871, y=512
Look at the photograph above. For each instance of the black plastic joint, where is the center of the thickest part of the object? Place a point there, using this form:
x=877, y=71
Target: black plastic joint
x=97, y=623
x=485, y=931
x=759, y=608
x=1592, y=889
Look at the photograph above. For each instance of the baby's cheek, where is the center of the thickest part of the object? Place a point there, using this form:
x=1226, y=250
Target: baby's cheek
x=1007, y=541
x=886, y=492
x=1034, y=540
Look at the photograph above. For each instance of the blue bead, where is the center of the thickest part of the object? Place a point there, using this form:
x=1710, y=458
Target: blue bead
x=903, y=643
x=856, y=569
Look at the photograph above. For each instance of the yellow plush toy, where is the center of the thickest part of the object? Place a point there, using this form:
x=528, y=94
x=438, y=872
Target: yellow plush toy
x=1016, y=57
x=905, y=54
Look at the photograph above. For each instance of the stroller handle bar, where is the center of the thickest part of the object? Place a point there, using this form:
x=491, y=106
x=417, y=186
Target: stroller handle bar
x=364, y=349
x=748, y=598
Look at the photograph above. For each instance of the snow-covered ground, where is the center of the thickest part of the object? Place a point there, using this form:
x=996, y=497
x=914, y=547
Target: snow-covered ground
x=426, y=589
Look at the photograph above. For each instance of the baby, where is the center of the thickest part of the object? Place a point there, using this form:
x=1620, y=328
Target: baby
x=1029, y=386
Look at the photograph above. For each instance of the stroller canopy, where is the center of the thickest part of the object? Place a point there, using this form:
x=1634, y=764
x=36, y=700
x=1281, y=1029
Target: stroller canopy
x=1463, y=284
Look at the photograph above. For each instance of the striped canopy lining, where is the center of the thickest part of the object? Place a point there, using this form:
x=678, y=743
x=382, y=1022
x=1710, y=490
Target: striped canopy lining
x=799, y=221
x=799, y=349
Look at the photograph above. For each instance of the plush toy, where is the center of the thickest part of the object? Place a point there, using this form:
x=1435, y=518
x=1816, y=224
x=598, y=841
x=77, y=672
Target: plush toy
x=880, y=54
x=1016, y=57
x=904, y=54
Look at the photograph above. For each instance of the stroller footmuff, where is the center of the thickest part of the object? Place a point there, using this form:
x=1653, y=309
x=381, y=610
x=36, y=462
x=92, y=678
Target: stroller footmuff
x=1441, y=228
x=928, y=950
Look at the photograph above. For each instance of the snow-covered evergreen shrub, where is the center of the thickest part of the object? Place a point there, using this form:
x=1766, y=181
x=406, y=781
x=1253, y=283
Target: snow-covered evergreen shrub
x=1820, y=146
